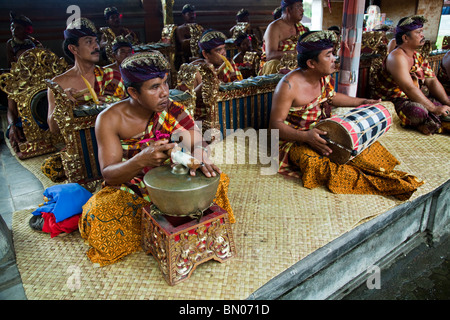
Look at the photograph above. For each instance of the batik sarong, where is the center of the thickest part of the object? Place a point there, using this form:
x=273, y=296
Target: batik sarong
x=443, y=78
x=284, y=45
x=108, y=84
x=410, y=113
x=371, y=172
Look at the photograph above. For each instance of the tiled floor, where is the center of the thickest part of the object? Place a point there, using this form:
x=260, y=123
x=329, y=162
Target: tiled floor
x=19, y=189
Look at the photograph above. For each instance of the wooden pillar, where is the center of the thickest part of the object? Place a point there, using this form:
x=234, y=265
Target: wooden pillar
x=153, y=25
x=351, y=30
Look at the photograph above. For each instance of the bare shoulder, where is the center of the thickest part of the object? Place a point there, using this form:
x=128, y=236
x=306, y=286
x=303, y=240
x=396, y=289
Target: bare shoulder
x=396, y=59
x=397, y=55
x=291, y=81
x=274, y=26
x=111, y=119
x=65, y=79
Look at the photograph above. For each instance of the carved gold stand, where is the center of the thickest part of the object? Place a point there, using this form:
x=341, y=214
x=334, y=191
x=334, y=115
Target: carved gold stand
x=23, y=84
x=180, y=244
x=79, y=157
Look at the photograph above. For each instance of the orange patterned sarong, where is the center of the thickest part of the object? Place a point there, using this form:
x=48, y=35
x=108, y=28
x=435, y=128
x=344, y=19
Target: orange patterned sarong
x=371, y=172
x=111, y=222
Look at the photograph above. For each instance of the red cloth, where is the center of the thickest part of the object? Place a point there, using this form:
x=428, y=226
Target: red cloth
x=55, y=228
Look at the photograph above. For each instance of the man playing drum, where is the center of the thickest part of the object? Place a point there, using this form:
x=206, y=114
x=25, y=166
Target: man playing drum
x=305, y=96
x=403, y=76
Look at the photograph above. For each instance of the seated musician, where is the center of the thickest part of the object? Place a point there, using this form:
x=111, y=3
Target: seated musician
x=243, y=15
x=114, y=20
x=21, y=30
x=403, y=76
x=444, y=72
x=243, y=43
x=122, y=48
x=183, y=35
x=281, y=35
x=133, y=137
x=212, y=49
x=305, y=96
x=85, y=81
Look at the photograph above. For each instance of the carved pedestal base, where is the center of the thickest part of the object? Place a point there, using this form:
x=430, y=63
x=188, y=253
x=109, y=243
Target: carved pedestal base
x=180, y=244
x=36, y=148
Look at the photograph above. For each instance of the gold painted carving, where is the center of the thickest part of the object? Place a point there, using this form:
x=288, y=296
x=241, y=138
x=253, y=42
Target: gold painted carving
x=288, y=61
x=252, y=58
x=168, y=33
x=185, y=78
x=70, y=126
x=109, y=37
x=195, y=31
x=167, y=6
x=240, y=27
x=21, y=84
x=179, y=254
x=372, y=40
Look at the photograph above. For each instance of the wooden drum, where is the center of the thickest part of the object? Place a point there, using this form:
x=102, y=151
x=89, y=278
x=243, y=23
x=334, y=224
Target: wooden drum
x=349, y=134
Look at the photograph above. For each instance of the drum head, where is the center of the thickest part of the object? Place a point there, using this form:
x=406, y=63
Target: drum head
x=39, y=109
x=339, y=135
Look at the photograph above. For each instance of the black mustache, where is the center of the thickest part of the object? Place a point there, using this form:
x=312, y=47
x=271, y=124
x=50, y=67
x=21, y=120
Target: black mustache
x=95, y=51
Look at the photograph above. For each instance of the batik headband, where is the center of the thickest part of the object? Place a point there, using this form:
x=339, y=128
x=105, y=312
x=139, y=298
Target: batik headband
x=109, y=12
x=317, y=41
x=188, y=8
x=410, y=24
x=21, y=19
x=242, y=13
x=211, y=39
x=144, y=66
x=80, y=28
x=287, y=3
x=120, y=42
x=381, y=27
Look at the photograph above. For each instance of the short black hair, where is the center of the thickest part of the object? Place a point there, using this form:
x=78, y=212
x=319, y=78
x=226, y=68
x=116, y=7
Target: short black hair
x=66, y=44
x=135, y=85
x=302, y=58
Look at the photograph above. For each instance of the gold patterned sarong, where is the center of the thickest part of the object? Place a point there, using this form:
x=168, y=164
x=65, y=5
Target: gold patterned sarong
x=371, y=172
x=111, y=222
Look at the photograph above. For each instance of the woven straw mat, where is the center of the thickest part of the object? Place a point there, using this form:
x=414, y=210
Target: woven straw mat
x=279, y=222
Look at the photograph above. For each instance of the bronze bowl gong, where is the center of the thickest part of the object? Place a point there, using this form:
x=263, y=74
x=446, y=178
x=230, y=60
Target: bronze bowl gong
x=176, y=193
